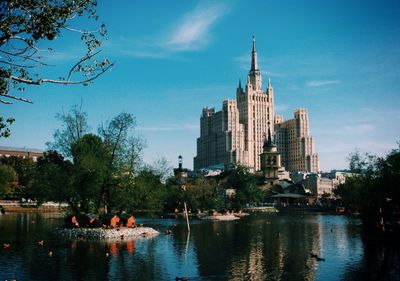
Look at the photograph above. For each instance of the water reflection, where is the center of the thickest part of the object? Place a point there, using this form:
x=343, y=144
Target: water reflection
x=259, y=247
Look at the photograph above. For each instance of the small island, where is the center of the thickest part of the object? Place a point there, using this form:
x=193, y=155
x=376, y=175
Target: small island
x=100, y=233
x=107, y=227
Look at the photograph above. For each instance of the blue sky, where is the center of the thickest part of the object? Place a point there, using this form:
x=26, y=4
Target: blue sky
x=339, y=59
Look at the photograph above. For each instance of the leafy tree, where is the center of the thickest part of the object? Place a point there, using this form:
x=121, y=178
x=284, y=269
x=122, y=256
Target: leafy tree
x=245, y=183
x=103, y=164
x=5, y=126
x=74, y=127
x=90, y=170
x=147, y=192
x=25, y=25
x=8, y=176
x=24, y=167
x=53, y=180
x=124, y=150
x=174, y=194
x=204, y=193
x=374, y=190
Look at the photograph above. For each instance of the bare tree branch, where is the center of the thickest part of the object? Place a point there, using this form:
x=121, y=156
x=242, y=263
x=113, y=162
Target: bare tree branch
x=5, y=102
x=63, y=82
x=23, y=24
x=81, y=30
x=15, y=98
x=85, y=58
x=17, y=65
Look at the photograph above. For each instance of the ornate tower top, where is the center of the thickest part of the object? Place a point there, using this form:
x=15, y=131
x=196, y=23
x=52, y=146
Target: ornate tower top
x=269, y=89
x=269, y=145
x=254, y=77
x=254, y=62
x=180, y=162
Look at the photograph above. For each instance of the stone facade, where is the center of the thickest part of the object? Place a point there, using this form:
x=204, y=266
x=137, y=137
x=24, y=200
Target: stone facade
x=318, y=185
x=295, y=143
x=236, y=134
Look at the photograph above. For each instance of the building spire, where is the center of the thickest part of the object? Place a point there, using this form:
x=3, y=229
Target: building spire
x=268, y=143
x=254, y=62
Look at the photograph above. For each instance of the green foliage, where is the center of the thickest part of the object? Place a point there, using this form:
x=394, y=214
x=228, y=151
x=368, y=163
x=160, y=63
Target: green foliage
x=204, y=193
x=8, y=176
x=53, y=180
x=374, y=191
x=145, y=192
x=90, y=168
x=26, y=25
x=24, y=168
x=245, y=183
x=125, y=154
x=174, y=195
x=5, y=126
x=104, y=168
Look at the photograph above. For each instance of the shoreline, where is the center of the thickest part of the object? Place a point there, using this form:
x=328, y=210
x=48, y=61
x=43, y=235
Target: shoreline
x=22, y=209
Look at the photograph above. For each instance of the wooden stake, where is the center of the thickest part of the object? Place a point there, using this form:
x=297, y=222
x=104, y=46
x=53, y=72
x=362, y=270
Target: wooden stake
x=187, y=217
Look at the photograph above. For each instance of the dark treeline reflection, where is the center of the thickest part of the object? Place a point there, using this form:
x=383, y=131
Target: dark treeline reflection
x=257, y=247
x=379, y=262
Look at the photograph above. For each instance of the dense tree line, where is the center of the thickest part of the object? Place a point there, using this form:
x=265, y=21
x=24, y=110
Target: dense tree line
x=80, y=182
x=105, y=171
x=374, y=190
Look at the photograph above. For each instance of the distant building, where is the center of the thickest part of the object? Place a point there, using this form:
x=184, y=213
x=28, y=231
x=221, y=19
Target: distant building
x=295, y=142
x=318, y=185
x=338, y=177
x=34, y=154
x=236, y=134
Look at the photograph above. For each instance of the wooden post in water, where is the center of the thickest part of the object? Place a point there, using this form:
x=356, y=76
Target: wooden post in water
x=187, y=217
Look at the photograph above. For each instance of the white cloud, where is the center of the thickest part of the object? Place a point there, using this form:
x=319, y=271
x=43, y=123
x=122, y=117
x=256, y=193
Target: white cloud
x=322, y=83
x=192, y=32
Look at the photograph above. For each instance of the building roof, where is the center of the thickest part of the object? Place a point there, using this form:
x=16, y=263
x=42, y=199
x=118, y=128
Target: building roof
x=20, y=149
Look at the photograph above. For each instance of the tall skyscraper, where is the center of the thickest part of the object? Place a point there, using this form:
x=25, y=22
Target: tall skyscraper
x=236, y=134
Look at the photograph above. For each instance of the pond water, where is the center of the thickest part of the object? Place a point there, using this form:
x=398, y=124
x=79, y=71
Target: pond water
x=257, y=247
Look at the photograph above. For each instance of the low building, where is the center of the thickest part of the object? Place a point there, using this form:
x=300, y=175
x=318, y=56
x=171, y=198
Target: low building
x=318, y=185
x=338, y=177
x=34, y=154
x=283, y=174
x=111, y=220
x=128, y=220
x=89, y=220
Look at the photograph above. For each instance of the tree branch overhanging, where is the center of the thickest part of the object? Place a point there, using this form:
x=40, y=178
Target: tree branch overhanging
x=24, y=23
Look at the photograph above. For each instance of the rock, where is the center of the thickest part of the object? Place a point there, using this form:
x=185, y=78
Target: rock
x=105, y=233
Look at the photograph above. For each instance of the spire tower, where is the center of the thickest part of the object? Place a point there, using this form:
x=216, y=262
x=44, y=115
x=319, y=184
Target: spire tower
x=254, y=76
x=254, y=62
